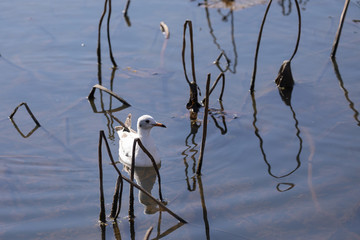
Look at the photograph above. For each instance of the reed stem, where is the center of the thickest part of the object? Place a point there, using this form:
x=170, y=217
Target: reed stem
x=252, y=85
x=338, y=33
x=200, y=161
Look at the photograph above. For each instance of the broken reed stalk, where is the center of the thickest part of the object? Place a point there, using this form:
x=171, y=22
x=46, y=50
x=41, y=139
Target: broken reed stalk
x=125, y=12
x=338, y=33
x=102, y=136
x=193, y=101
x=148, y=233
x=102, y=215
x=116, y=230
x=108, y=36
x=299, y=29
x=198, y=170
x=132, y=172
x=189, y=23
x=252, y=85
x=100, y=87
x=116, y=205
x=98, y=51
x=28, y=110
x=221, y=75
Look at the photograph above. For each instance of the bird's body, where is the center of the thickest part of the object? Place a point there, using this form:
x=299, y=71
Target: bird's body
x=127, y=136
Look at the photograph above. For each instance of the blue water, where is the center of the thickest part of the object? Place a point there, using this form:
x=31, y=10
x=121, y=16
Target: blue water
x=269, y=172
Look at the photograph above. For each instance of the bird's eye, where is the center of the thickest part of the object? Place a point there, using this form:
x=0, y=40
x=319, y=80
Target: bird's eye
x=147, y=121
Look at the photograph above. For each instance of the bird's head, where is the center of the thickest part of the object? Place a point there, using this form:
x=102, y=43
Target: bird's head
x=147, y=122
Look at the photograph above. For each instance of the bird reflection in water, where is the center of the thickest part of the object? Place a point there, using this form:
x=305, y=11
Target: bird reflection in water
x=145, y=177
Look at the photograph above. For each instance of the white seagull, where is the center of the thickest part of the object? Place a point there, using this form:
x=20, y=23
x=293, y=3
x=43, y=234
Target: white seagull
x=127, y=135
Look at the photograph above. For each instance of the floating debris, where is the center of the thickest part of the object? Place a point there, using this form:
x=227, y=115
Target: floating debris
x=165, y=30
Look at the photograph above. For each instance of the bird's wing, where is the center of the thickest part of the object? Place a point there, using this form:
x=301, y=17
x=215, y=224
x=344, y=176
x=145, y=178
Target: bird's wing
x=127, y=127
x=126, y=145
x=128, y=121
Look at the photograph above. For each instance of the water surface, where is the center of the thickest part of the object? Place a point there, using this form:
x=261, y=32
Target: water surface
x=271, y=171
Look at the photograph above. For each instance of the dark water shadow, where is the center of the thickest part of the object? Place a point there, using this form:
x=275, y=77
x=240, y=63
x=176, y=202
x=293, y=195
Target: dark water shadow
x=346, y=92
x=261, y=145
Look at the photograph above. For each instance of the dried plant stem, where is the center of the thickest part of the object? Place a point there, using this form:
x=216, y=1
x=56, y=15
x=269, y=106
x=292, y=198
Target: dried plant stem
x=102, y=215
x=299, y=29
x=148, y=233
x=338, y=33
x=132, y=172
x=99, y=33
x=252, y=86
x=198, y=170
x=125, y=12
x=97, y=86
x=108, y=36
x=116, y=205
x=102, y=136
x=221, y=75
x=189, y=23
x=193, y=103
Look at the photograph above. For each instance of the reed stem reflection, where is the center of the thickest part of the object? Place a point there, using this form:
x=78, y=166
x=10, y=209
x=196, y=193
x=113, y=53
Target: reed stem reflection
x=37, y=124
x=203, y=205
x=192, y=152
x=346, y=92
x=213, y=112
x=261, y=142
x=222, y=51
x=107, y=2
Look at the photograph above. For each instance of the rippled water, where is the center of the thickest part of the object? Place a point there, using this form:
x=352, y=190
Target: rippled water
x=271, y=171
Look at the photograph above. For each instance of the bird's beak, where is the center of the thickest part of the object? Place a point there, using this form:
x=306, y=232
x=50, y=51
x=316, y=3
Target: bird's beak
x=159, y=125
